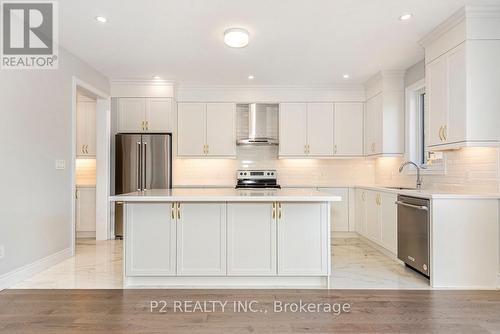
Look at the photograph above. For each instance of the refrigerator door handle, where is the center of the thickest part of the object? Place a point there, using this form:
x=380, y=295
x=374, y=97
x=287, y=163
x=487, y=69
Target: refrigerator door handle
x=144, y=165
x=139, y=166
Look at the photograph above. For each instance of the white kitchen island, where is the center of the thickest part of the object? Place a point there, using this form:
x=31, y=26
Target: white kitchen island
x=223, y=238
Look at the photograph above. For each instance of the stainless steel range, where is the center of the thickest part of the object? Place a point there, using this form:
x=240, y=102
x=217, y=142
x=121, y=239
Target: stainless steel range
x=257, y=179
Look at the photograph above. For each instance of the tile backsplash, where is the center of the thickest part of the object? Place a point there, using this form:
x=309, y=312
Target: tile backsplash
x=468, y=169
x=291, y=172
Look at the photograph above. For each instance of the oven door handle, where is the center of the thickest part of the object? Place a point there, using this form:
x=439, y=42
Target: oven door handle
x=418, y=207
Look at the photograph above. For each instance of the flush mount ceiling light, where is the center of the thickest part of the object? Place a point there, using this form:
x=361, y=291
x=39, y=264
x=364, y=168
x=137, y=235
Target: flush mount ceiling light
x=236, y=37
x=101, y=19
x=157, y=77
x=251, y=77
x=346, y=76
x=405, y=17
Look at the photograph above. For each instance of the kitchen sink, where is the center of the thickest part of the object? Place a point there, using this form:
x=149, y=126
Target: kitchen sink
x=401, y=188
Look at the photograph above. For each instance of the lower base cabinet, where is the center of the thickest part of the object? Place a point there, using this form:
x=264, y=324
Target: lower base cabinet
x=303, y=235
x=85, y=209
x=257, y=239
x=251, y=239
x=376, y=217
x=201, y=239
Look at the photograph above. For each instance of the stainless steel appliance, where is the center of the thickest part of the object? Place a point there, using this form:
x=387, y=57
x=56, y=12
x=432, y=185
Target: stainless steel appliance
x=143, y=161
x=413, y=233
x=257, y=179
x=257, y=124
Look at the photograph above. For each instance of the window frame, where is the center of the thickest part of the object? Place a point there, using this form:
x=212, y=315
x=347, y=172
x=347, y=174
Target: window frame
x=414, y=124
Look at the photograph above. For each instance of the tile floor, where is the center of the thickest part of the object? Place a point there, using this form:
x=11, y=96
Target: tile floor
x=98, y=265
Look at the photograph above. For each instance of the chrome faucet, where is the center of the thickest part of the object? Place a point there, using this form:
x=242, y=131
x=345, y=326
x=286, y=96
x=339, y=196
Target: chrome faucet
x=419, y=177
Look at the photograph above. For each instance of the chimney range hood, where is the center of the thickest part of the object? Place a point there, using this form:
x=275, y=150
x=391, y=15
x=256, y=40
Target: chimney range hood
x=258, y=124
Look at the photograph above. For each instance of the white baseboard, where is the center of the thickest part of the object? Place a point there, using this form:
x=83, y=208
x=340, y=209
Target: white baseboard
x=498, y=281
x=343, y=235
x=18, y=275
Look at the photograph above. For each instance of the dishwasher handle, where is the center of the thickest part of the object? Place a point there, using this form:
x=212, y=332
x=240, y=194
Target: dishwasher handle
x=418, y=207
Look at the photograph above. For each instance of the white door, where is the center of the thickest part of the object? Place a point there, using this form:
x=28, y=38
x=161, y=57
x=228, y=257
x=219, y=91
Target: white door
x=293, y=129
x=360, y=210
x=456, y=129
x=389, y=222
x=221, y=129
x=191, y=129
x=339, y=211
x=372, y=216
x=150, y=239
x=320, y=129
x=131, y=114
x=201, y=239
x=437, y=93
x=251, y=239
x=90, y=128
x=348, y=130
x=303, y=239
x=159, y=114
x=85, y=209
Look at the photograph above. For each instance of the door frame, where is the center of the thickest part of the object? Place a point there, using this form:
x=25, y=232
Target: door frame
x=103, y=175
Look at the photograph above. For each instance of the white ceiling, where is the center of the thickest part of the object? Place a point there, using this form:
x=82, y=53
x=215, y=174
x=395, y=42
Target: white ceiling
x=292, y=42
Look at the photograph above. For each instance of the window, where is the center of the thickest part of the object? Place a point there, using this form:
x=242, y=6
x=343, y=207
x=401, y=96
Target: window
x=416, y=127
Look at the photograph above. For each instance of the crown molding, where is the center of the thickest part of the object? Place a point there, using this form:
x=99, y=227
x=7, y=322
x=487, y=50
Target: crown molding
x=339, y=87
x=142, y=82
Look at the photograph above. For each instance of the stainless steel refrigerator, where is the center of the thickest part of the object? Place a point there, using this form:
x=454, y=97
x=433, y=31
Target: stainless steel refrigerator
x=143, y=162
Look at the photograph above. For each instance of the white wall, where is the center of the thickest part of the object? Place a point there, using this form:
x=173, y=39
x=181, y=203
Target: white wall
x=36, y=125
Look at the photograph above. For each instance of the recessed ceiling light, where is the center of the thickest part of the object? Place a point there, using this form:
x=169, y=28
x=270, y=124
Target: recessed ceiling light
x=405, y=17
x=251, y=77
x=156, y=77
x=236, y=37
x=346, y=76
x=101, y=19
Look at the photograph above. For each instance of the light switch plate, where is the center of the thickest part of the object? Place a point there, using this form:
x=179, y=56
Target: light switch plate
x=60, y=164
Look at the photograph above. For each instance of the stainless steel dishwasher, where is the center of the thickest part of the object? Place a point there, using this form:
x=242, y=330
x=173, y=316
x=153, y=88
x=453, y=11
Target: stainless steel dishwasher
x=413, y=233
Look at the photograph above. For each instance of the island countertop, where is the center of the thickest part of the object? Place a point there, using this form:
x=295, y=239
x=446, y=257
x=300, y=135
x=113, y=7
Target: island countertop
x=226, y=195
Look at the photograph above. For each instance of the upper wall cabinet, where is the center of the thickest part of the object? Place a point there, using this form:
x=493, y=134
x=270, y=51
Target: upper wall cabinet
x=145, y=115
x=306, y=129
x=348, y=129
x=462, y=78
x=85, y=128
x=206, y=129
x=384, y=119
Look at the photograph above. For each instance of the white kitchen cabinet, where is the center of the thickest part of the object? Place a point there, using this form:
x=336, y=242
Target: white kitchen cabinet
x=462, y=80
x=339, y=211
x=360, y=211
x=191, y=128
x=374, y=126
x=349, y=129
x=201, y=239
x=206, y=129
x=320, y=119
x=389, y=222
x=251, y=239
x=85, y=212
x=303, y=239
x=293, y=129
x=150, y=239
x=306, y=129
x=221, y=129
x=85, y=128
x=373, y=216
x=144, y=115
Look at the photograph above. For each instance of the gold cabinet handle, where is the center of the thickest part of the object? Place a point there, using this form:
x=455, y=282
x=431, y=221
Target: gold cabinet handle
x=179, y=211
x=147, y=125
x=274, y=210
x=142, y=125
x=363, y=196
x=83, y=149
x=445, y=130
x=305, y=149
x=172, y=211
x=208, y=148
x=441, y=133
x=335, y=149
x=87, y=149
x=279, y=211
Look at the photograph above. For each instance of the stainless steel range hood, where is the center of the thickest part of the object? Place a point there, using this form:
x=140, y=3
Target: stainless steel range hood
x=260, y=125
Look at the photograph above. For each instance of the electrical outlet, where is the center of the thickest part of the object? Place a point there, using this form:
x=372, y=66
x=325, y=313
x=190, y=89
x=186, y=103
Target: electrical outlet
x=2, y=251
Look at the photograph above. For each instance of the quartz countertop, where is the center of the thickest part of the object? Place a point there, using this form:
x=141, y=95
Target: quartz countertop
x=433, y=194
x=226, y=195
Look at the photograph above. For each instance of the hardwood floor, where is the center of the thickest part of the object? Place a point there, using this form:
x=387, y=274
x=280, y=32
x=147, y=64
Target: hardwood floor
x=128, y=311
